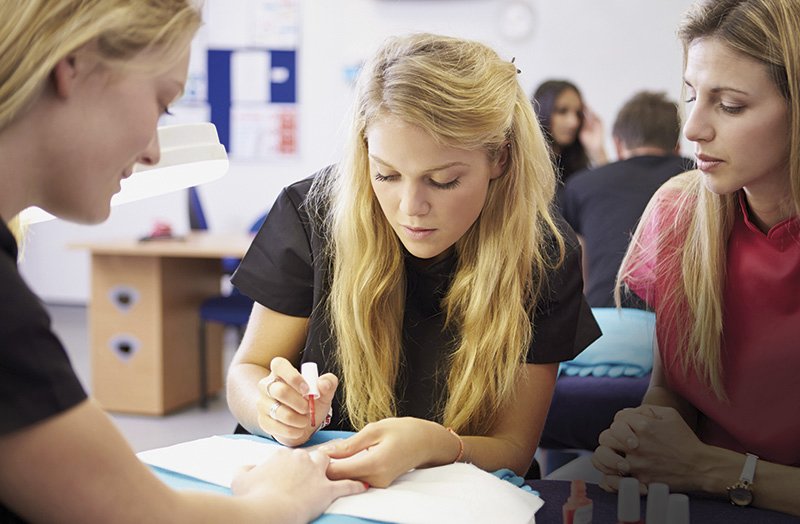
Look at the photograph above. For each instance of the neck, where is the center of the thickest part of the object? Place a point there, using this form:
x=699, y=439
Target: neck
x=20, y=149
x=625, y=153
x=766, y=212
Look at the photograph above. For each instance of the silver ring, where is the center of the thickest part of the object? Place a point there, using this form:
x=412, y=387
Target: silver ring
x=270, y=381
x=273, y=410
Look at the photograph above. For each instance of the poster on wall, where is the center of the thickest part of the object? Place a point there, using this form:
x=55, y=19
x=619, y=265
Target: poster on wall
x=243, y=77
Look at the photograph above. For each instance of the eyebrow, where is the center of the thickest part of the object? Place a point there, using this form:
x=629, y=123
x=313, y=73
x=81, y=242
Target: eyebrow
x=427, y=171
x=719, y=89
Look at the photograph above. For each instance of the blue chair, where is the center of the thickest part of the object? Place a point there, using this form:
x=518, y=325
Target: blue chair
x=232, y=310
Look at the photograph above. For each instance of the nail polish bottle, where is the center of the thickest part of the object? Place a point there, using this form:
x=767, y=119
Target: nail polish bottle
x=628, y=504
x=657, y=495
x=678, y=509
x=578, y=508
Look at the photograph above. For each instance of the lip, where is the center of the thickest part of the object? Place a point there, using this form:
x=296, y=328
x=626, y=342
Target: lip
x=707, y=163
x=418, y=233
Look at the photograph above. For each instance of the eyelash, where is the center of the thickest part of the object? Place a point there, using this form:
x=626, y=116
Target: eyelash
x=449, y=185
x=731, y=110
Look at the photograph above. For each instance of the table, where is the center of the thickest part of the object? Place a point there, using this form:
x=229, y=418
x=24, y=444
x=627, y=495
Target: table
x=144, y=323
x=701, y=510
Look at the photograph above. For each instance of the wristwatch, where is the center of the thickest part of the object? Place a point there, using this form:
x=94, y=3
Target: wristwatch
x=741, y=493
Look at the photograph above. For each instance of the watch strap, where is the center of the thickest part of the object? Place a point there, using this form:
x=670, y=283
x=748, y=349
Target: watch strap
x=749, y=469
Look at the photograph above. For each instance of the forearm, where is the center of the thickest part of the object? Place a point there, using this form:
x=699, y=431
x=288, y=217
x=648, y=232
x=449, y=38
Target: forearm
x=242, y=394
x=492, y=453
x=211, y=508
x=774, y=485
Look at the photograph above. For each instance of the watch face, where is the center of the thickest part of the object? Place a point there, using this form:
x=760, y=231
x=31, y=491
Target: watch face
x=740, y=496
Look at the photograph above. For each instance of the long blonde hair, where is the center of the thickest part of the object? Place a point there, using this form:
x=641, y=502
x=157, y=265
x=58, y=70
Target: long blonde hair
x=36, y=34
x=765, y=30
x=465, y=96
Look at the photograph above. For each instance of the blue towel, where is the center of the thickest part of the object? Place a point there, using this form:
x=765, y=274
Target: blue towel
x=625, y=349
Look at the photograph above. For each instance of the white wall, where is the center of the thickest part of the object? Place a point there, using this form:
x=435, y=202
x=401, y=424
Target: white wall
x=609, y=48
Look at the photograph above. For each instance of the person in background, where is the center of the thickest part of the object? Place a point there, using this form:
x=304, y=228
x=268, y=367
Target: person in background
x=573, y=131
x=717, y=256
x=82, y=86
x=425, y=274
x=603, y=205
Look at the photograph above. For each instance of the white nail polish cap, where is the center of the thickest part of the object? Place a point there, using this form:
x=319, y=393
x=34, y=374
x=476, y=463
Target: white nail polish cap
x=678, y=509
x=657, y=495
x=310, y=375
x=628, y=504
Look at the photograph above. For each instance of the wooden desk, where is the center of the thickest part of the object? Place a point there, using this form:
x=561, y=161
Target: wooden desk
x=144, y=319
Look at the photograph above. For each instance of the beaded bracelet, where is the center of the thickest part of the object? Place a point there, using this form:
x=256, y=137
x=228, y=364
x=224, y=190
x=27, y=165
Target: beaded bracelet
x=460, y=445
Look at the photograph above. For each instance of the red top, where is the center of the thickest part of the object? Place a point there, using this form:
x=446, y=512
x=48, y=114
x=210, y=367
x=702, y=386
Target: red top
x=761, y=340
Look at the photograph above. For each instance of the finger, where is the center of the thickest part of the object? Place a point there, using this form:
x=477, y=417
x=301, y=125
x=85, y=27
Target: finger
x=289, y=397
x=610, y=483
x=361, y=466
x=265, y=383
x=327, y=385
x=623, y=433
x=343, y=488
x=608, y=439
x=350, y=446
x=289, y=375
x=609, y=462
x=281, y=421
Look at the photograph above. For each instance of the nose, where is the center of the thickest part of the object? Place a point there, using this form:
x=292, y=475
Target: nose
x=697, y=127
x=413, y=200
x=152, y=153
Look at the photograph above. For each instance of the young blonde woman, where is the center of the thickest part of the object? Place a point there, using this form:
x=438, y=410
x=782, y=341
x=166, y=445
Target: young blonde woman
x=82, y=85
x=717, y=255
x=424, y=274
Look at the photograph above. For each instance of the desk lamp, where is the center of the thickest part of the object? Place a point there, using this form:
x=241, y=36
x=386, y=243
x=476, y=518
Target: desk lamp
x=191, y=154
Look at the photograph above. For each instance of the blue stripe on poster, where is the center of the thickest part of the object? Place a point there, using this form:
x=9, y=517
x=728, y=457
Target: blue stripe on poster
x=285, y=91
x=219, y=92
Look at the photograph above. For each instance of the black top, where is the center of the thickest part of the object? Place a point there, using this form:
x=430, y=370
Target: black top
x=36, y=378
x=285, y=270
x=603, y=205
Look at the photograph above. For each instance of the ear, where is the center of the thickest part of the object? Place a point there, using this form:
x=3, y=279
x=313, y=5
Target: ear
x=64, y=75
x=500, y=165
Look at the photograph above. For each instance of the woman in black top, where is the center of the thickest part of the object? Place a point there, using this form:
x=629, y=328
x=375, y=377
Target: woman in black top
x=82, y=85
x=425, y=270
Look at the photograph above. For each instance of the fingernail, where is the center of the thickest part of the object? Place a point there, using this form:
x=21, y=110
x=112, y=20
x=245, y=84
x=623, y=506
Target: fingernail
x=366, y=485
x=623, y=466
x=632, y=442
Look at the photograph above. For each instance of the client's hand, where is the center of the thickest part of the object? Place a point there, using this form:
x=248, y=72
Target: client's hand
x=386, y=449
x=651, y=444
x=282, y=405
x=292, y=485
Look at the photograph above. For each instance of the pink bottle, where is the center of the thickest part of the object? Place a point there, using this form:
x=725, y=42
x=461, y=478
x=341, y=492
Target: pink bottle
x=578, y=508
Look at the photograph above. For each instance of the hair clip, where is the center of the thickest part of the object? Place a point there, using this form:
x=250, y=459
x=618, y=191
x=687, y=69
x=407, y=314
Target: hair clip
x=512, y=61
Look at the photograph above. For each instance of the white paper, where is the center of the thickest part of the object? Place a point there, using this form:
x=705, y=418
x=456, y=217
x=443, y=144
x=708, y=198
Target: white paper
x=454, y=493
x=213, y=459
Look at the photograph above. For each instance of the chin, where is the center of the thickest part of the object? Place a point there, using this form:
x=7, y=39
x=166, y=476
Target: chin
x=719, y=187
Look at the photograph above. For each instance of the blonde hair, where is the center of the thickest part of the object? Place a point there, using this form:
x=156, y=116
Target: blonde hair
x=36, y=34
x=465, y=96
x=765, y=30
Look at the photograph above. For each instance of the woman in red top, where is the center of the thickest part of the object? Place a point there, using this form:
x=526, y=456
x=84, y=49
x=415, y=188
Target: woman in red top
x=717, y=256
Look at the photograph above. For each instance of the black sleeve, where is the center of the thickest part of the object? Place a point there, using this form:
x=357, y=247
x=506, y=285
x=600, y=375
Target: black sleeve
x=36, y=378
x=277, y=271
x=563, y=324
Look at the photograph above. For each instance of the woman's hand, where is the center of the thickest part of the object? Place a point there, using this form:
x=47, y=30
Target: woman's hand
x=386, y=449
x=592, y=137
x=293, y=486
x=652, y=444
x=283, y=407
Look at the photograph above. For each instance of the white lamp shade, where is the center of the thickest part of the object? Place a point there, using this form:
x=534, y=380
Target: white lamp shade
x=191, y=154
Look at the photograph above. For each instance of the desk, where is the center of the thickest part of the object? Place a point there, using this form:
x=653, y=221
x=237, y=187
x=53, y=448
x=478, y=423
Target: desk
x=144, y=323
x=701, y=510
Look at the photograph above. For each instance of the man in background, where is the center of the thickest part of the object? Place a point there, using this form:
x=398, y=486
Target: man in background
x=603, y=205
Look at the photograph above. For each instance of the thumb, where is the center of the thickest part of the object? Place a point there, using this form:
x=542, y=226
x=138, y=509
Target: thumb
x=343, y=488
